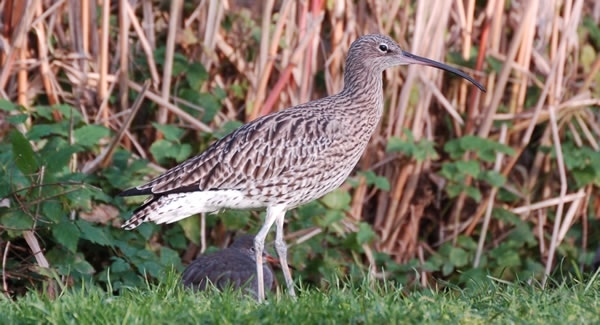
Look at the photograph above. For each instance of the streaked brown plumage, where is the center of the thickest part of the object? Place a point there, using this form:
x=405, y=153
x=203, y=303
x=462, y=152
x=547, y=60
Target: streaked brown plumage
x=284, y=159
x=233, y=266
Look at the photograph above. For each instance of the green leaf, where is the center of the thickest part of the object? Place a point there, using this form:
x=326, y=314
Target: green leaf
x=235, y=219
x=382, y=183
x=506, y=255
x=396, y=144
x=523, y=234
x=487, y=154
x=238, y=91
x=585, y=176
x=180, y=64
x=211, y=106
x=469, y=167
x=447, y=269
x=146, y=229
x=219, y=93
x=466, y=242
x=68, y=112
x=454, y=190
x=209, y=103
x=95, y=234
x=494, y=63
x=175, y=238
x=353, y=181
x=53, y=210
x=365, y=233
x=337, y=200
x=184, y=152
x=81, y=198
x=82, y=266
x=191, y=229
x=419, y=150
x=150, y=267
x=474, y=193
x=485, y=148
x=331, y=216
x=506, y=196
x=16, y=220
x=372, y=179
x=67, y=234
x=307, y=211
x=45, y=112
x=492, y=177
x=39, y=131
x=163, y=150
x=459, y=257
x=451, y=172
x=591, y=26
x=25, y=158
x=57, y=154
x=506, y=215
x=17, y=119
x=369, y=176
x=169, y=256
x=196, y=75
x=8, y=106
x=90, y=135
x=227, y=128
x=119, y=265
x=171, y=132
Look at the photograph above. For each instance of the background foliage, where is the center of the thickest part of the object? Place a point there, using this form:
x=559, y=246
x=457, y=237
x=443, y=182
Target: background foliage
x=456, y=184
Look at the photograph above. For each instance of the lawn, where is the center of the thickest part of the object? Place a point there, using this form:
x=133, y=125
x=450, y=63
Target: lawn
x=484, y=302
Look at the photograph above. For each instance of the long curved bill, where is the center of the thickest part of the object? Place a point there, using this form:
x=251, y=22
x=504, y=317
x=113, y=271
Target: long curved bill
x=275, y=261
x=415, y=59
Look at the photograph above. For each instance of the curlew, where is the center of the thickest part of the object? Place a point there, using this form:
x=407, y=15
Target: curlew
x=284, y=159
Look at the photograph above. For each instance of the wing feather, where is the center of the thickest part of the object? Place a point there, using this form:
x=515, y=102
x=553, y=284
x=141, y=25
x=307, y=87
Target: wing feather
x=256, y=153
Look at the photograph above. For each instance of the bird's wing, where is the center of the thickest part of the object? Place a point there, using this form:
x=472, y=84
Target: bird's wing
x=255, y=153
x=196, y=274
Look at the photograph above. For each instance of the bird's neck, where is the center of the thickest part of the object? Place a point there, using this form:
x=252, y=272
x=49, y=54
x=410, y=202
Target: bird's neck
x=362, y=101
x=359, y=74
x=364, y=88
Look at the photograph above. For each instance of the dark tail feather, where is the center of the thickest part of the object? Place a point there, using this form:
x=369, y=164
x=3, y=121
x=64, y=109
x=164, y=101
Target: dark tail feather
x=134, y=222
x=140, y=215
x=134, y=191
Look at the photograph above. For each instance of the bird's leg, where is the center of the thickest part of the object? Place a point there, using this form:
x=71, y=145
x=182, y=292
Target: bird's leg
x=259, y=246
x=281, y=248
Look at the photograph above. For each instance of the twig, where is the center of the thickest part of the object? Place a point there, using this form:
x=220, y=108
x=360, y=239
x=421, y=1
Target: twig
x=4, y=285
x=172, y=108
x=105, y=157
x=490, y=205
x=168, y=66
x=498, y=94
x=146, y=45
x=546, y=203
x=124, y=27
x=41, y=260
x=103, y=58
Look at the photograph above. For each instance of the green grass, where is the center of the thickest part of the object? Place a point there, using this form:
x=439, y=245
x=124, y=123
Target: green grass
x=167, y=303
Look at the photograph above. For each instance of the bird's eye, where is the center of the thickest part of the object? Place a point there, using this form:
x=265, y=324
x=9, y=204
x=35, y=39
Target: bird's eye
x=383, y=47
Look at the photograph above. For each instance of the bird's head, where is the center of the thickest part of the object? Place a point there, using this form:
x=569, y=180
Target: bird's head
x=379, y=52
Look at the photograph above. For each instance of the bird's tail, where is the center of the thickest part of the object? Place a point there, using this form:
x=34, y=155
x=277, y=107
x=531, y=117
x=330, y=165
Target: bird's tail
x=141, y=214
x=169, y=208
